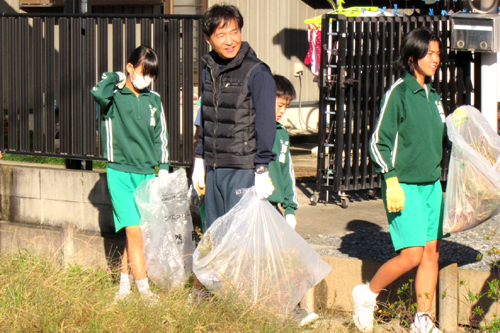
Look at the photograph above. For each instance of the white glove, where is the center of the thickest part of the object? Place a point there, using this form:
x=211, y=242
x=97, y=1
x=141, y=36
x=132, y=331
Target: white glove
x=123, y=79
x=162, y=178
x=290, y=219
x=263, y=185
x=198, y=176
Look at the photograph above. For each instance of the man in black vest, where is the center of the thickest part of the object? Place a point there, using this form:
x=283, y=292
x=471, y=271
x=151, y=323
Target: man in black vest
x=237, y=126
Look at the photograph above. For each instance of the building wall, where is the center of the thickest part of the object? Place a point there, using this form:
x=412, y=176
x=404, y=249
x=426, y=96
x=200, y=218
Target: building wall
x=276, y=31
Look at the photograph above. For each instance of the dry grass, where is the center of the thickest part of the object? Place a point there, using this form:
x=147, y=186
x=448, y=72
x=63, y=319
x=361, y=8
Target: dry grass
x=37, y=295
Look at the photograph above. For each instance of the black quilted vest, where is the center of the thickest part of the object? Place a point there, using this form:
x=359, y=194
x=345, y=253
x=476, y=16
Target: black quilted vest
x=229, y=112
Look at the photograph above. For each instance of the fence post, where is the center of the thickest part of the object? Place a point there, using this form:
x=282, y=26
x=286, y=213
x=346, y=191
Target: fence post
x=448, y=306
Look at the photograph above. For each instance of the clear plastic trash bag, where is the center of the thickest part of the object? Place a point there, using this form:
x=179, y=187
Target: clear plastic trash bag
x=473, y=186
x=167, y=228
x=253, y=252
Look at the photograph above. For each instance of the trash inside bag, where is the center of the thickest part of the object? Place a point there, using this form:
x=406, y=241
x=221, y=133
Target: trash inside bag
x=473, y=186
x=167, y=228
x=253, y=252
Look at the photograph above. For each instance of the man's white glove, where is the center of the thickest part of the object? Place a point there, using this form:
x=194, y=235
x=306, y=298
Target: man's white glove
x=162, y=179
x=122, y=80
x=290, y=219
x=263, y=185
x=198, y=176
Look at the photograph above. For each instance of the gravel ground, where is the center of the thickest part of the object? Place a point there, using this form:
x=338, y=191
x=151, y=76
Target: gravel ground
x=374, y=244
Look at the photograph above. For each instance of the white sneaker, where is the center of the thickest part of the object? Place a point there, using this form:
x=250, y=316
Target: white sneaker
x=364, y=306
x=424, y=325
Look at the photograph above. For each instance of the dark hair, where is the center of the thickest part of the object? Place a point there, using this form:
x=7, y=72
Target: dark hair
x=220, y=13
x=414, y=47
x=145, y=56
x=284, y=88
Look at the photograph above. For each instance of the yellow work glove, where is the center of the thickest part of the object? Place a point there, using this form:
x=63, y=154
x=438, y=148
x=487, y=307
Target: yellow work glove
x=395, y=195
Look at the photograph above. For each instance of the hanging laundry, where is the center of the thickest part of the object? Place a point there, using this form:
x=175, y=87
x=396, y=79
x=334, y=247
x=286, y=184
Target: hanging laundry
x=313, y=56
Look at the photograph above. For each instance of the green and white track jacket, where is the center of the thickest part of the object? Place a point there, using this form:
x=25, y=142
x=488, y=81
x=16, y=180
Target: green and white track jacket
x=410, y=134
x=133, y=129
x=281, y=173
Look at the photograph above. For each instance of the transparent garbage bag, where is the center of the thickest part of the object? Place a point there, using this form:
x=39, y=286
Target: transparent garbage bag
x=167, y=228
x=473, y=186
x=252, y=251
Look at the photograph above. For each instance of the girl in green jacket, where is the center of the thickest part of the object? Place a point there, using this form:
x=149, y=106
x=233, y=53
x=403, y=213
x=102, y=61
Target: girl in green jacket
x=135, y=140
x=407, y=148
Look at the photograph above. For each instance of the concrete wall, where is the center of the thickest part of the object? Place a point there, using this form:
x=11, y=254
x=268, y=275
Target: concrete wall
x=59, y=212
x=66, y=215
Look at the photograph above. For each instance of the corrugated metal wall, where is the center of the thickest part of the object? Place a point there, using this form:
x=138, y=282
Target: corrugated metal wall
x=276, y=31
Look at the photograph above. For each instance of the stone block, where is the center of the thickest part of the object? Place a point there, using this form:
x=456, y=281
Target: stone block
x=23, y=182
x=44, y=241
x=26, y=210
x=58, y=213
x=63, y=185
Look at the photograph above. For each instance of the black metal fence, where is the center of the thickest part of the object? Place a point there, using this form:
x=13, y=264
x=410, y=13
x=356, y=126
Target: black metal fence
x=356, y=70
x=49, y=63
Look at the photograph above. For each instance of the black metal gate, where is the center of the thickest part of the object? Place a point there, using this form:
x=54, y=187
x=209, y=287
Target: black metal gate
x=49, y=63
x=356, y=69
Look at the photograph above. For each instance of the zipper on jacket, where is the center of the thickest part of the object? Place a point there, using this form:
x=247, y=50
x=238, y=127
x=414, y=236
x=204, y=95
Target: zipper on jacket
x=216, y=109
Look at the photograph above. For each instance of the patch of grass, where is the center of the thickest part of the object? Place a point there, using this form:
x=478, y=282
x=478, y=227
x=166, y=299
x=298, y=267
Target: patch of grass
x=48, y=160
x=37, y=295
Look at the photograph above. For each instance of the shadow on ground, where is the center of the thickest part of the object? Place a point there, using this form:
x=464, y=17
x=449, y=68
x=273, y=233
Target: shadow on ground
x=370, y=242
x=331, y=197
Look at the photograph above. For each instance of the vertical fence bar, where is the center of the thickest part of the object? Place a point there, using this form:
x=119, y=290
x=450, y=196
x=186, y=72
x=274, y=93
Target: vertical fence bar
x=38, y=88
x=14, y=92
x=117, y=45
x=173, y=96
x=77, y=106
x=339, y=104
x=50, y=61
x=348, y=88
x=160, y=47
x=358, y=112
x=130, y=32
x=3, y=94
x=90, y=122
x=102, y=66
x=323, y=90
x=366, y=101
x=26, y=85
x=373, y=88
x=146, y=32
x=187, y=88
x=65, y=91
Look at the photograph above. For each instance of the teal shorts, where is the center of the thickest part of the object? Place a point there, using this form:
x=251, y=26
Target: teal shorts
x=421, y=220
x=121, y=187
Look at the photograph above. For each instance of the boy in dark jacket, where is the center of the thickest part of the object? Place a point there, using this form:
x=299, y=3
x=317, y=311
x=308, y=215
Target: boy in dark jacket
x=281, y=170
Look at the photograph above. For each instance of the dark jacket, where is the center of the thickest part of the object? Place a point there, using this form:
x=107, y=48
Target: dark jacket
x=229, y=115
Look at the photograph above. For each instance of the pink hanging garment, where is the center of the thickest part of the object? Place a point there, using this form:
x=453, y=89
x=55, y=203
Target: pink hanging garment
x=313, y=56
x=311, y=38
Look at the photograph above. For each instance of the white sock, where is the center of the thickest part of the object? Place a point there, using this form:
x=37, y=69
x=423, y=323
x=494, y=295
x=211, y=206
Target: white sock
x=371, y=293
x=131, y=278
x=143, y=286
x=422, y=317
x=124, y=284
